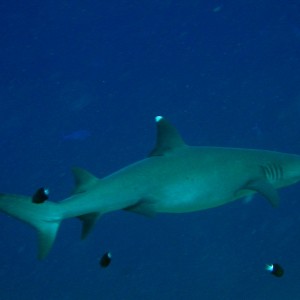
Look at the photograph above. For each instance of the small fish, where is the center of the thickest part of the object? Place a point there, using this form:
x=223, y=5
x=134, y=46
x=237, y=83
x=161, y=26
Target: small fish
x=79, y=135
x=275, y=269
x=40, y=196
x=217, y=8
x=105, y=260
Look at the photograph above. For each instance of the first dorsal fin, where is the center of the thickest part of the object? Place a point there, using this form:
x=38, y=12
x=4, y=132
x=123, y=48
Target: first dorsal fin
x=83, y=180
x=167, y=138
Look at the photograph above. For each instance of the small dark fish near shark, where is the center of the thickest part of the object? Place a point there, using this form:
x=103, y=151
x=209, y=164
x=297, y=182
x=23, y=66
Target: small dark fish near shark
x=105, y=260
x=275, y=269
x=41, y=195
x=173, y=178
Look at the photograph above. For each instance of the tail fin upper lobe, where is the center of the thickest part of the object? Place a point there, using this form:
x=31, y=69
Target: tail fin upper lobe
x=45, y=218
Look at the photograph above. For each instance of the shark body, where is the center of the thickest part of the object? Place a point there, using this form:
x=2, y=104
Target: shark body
x=174, y=178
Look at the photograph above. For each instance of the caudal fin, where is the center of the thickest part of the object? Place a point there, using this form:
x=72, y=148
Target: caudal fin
x=44, y=217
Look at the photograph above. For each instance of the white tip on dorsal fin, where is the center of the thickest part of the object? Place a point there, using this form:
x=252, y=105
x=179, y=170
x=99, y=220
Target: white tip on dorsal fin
x=167, y=137
x=83, y=180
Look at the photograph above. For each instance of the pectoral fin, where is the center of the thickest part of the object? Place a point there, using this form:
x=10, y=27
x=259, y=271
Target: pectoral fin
x=264, y=188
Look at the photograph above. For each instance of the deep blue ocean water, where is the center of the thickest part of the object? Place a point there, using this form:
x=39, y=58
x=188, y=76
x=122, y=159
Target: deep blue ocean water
x=81, y=83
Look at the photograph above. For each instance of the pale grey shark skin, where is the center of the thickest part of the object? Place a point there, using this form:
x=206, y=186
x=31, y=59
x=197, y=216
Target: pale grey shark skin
x=175, y=178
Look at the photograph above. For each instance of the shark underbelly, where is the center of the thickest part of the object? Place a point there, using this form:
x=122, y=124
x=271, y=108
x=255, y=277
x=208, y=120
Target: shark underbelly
x=185, y=197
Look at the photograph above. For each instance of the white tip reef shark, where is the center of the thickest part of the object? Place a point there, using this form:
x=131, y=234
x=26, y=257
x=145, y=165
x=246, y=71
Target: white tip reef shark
x=174, y=178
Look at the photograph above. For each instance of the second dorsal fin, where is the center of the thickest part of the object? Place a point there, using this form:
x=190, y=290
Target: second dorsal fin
x=83, y=180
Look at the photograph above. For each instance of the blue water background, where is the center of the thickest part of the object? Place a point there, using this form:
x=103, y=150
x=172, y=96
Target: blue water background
x=80, y=84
